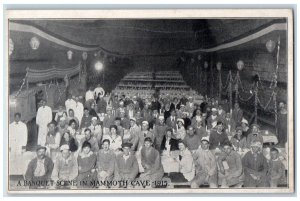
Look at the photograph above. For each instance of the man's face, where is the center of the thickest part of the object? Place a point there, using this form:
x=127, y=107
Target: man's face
x=181, y=146
x=147, y=144
x=239, y=132
x=198, y=112
x=41, y=153
x=274, y=155
x=126, y=151
x=17, y=118
x=73, y=125
x=65, y=154
x=190, y=131
x=169, y=134
x=204, y=145
x=219, y=127
x=86, y=112
x=62, y=123
x=51, y=127
x=113, y=130
x=144, y=127
x=71, y=113
x=227, y=149
x=281, y=105
x=43, y=103
x=122, y=114
x=109, y=112
x=94, y=122
x=132, y=123
x=87, y=135
x=161, y=121
x=105, y=146
x=67, y=137
x=117, y=122
x=254, y=129
x=236, y=106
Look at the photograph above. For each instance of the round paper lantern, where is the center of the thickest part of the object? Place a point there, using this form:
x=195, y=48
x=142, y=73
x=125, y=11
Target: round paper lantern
x=219, y=66
x=34, y=43
x=84, y=55
x=70, y=55
x=205, y=64
x=270, y=45
x=98, y=66
x=11, y=46
x=199, y=57
x=240, y=65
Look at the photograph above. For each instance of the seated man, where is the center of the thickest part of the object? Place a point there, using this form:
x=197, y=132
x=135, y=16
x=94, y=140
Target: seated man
x=40, y=168
x=126, y=167
x=65, y=167
x=255, y=167
x=105, y=162
x=91, y=139
x=206, y=166
x=218, y=137
x=150, y=157
x=276, y=172
x=231, y=169
x=191, y=140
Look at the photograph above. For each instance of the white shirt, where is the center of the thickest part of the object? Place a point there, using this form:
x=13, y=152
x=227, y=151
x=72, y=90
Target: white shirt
x=99, y=90
x=78, y=111
x=70, y=104
x=18, y=136
x=89, y=95
x=44, y=116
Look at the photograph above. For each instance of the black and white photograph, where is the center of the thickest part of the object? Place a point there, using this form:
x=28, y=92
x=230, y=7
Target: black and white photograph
x=150, y=101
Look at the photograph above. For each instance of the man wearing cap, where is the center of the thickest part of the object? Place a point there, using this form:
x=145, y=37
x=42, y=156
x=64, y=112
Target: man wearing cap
x=212, y=119
x=39, y=169
x=206, y=166
x=159, y=131
x=218, y=137
x=134, y=133
x=255, y=167
x=230, y=168
x=150, y=160
x=96, y=129
x=65, y=166
x=126, y=167
x=144, y=134
x=43, y=117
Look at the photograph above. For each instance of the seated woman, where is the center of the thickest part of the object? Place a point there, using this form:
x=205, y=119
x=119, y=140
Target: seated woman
x=254, y=136
x=180, y=131
x=114, y=138
x=67, y=138
x=86, y=166
x=170, y=151
x=153, y=170
x=72, y=127
x=186, y=163
x=239, y=142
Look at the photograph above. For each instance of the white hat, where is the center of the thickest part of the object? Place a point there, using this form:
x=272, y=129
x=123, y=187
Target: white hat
x=245, y=121
x=145, y=122
x=256, y=144
x=133, y=119
x=64, y=147
x=180, y=120
x=161, y=117
x=214, y=110
x=94, y=118
x=205, y=139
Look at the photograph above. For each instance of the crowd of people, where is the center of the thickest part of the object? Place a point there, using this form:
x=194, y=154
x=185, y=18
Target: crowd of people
x=134, y=138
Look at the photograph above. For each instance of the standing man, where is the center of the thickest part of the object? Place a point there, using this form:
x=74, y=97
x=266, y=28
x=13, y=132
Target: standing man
x=78, y=110
x=70, y=103
x=18, y=135
x=43, y=118
x=99, y=90
x=39, y=169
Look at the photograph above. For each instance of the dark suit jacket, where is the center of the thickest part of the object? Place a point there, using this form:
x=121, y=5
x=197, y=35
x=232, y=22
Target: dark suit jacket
x=29, y=175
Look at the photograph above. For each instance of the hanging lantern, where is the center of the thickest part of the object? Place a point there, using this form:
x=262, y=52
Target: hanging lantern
x=34, y=43
x=205, y=64
x=240, y=65
x=84, y=55
x=219, y=66
x=270, y=45
x=11, y=46
x=199, y=57
x=70, y=55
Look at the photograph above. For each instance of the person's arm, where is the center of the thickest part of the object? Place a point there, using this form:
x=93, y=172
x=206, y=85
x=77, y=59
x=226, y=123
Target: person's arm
x=50, y=168
x=29, y=171
x=246, y=163
x=54, y=175
x=187, y=164
x=135, y=168
x=265, y=166
x=111, y=165
x=239, y=167
x=74, y=170
x=213, y=164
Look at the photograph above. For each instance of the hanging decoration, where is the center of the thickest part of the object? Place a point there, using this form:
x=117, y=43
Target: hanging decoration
x=219, y=66
x=230, y=91
x=11, y=46
x=34, y=43
x=70, y=55
x=270, y=45
x=84, y=56
x=199, y=57
x=205, y=64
